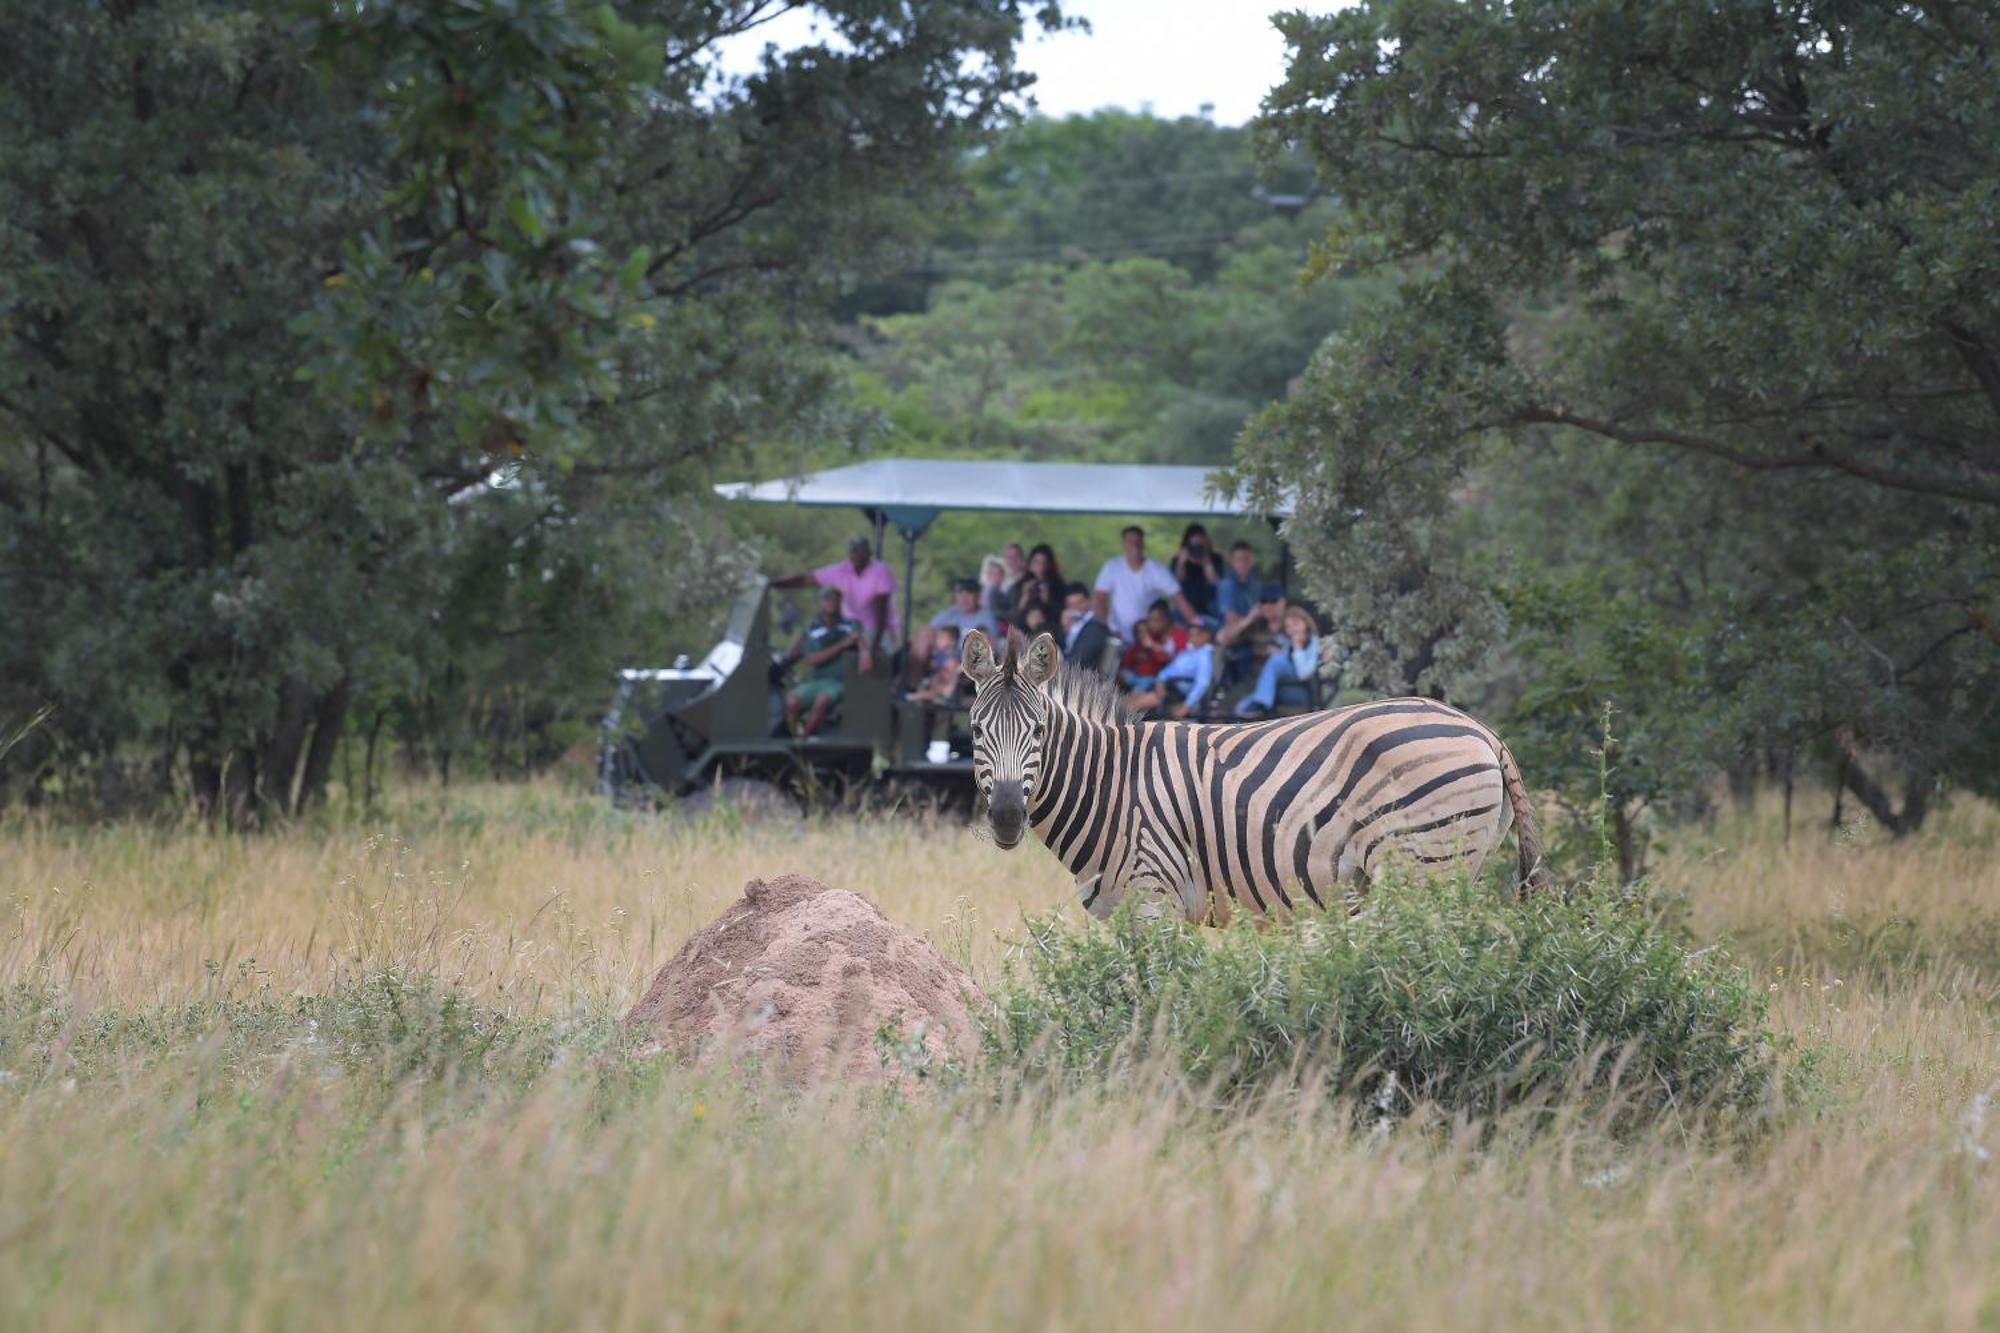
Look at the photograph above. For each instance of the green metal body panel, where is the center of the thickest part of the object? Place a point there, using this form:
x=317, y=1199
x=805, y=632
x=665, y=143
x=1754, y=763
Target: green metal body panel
x=725, y=716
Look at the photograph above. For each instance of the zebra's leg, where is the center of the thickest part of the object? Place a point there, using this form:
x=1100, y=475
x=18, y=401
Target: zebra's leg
x=1167, y=868
x=1101, y=902
x=1097, y=895
x=1344, y=866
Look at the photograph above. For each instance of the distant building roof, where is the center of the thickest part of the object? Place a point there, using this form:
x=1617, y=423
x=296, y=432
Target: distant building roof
x=913, y=491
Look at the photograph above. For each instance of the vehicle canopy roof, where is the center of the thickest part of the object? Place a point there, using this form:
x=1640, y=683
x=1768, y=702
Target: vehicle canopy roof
x=911, y=492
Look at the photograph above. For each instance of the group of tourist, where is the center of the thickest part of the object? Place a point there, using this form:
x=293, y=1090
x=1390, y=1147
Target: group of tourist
x=1170, y=618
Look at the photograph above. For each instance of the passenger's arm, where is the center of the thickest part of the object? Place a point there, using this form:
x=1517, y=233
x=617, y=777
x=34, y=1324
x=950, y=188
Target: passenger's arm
x=827, y=654
x=805, y=580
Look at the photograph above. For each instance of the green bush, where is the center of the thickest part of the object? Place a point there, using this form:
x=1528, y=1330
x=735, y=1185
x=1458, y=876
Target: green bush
x=1435, y=993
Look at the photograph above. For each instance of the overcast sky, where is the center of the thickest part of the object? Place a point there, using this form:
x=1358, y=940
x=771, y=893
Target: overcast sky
x=1170, y=55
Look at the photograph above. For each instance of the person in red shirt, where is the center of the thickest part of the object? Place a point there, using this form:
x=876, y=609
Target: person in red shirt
x=1155, y=641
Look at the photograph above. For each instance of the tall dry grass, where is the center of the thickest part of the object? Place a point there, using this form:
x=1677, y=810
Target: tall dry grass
x=533, y=901
x=170, y=1187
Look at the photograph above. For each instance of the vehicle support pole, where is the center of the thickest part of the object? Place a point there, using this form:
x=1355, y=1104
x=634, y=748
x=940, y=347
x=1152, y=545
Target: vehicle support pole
x=909, y=576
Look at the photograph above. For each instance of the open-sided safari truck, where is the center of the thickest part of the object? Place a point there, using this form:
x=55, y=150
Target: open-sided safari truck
x=690, y=727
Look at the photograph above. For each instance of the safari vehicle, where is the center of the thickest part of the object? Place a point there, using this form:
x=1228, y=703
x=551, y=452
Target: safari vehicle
x=718, y=724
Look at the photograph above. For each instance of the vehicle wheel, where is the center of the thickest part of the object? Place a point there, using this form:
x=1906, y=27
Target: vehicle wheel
x=745, y=798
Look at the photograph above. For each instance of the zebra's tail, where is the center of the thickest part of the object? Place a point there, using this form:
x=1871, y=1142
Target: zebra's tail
x=1527, y=836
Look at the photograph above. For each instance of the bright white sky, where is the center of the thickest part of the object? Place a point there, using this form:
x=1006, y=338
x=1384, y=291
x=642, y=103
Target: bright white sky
x=1169, y=55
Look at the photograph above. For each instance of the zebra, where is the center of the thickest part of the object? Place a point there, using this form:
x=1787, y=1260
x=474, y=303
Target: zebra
x=1265, y=816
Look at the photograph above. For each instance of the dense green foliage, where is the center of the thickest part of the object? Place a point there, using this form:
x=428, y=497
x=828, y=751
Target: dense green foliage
x=1694, y=369
x=1442, y=994
x=352, y=350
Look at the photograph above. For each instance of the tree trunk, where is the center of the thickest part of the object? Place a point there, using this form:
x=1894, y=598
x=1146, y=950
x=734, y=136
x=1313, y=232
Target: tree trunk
x=281, y=748
x=1627, y=835
x=1916, y=800
x=329, y=720
x=368, y=760
x=1856, y=778
x=239, y=789
x=1786, y=771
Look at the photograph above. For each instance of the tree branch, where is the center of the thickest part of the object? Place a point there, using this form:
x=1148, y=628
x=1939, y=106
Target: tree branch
x=1978, y=358
x=1814, y=455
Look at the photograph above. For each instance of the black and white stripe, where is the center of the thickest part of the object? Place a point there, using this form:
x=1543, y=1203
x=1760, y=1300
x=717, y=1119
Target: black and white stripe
x=1268, y=816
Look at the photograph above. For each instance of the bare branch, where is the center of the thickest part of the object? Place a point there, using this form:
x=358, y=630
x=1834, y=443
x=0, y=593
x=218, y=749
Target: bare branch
x=1813, y=456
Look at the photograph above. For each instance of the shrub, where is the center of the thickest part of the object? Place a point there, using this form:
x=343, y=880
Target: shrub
x=1436, y=993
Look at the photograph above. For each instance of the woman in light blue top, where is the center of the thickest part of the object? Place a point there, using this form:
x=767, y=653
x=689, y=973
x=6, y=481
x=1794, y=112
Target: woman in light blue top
x=1289, y=670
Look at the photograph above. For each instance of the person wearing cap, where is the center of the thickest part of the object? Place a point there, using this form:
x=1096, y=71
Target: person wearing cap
x=867, y=589
x=1288, y=672
x=1246, y=641
x=964, y=613
x=821, y=645
x=1193, y=668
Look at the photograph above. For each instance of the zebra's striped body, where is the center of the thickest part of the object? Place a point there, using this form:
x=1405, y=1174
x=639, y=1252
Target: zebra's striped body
x=1263, y=817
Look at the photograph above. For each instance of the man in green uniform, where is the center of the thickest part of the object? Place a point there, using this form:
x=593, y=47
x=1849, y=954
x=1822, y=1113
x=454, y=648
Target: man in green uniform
x=822, y=644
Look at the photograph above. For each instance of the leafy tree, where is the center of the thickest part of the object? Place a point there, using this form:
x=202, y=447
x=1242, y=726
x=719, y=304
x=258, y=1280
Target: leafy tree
x=1733, y=261
x=340, y=337
x=1118, y=185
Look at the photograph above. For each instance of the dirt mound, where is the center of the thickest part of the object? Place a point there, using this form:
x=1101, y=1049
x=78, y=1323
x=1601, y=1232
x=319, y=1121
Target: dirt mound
x=801, y=977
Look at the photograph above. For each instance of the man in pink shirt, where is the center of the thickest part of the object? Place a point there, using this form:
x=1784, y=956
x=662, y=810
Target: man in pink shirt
x=867, y=590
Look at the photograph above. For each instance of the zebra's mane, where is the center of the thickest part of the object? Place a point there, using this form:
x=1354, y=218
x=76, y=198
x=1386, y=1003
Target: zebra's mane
x=1077, y=690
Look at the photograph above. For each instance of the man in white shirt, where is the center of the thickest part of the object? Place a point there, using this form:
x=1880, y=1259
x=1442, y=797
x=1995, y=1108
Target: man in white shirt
x=1130, y=583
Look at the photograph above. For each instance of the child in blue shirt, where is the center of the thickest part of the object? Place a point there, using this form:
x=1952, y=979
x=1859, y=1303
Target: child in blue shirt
x=1193, y=665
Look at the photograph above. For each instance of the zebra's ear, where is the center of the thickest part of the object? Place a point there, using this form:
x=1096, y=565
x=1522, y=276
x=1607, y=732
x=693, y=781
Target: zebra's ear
x=1038, y=664
x=975, y=657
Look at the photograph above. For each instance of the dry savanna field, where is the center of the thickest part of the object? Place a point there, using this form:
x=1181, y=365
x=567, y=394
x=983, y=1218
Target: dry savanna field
x=181, y=1145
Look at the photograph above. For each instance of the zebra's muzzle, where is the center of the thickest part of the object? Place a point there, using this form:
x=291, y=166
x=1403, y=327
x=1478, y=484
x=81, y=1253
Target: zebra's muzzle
x=1007, y=812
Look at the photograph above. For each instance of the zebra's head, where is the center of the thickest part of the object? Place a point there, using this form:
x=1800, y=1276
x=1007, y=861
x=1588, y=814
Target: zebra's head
x=1010, y=719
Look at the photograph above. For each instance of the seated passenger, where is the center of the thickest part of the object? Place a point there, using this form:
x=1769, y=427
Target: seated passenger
x=1188, y=676
x=963, y=614
x=1017, y=562
x=1236, y=602
x=1044, y=583
x=1156, y=640
x=1236, y=595
x=996, y=594
x=1084, y=635
x=822, y=644
x=1289, y=671
x=1246, y=642
x=941, y=684
x=1197, y=569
